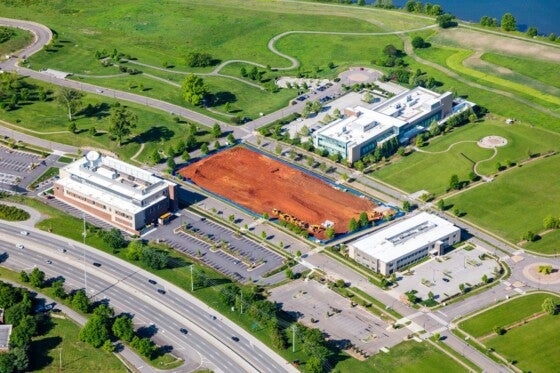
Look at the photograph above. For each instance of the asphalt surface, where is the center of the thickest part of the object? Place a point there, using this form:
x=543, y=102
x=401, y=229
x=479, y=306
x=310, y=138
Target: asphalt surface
x=208, y=342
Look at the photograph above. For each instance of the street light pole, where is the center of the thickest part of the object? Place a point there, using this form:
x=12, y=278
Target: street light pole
x=294, y=327
x=60, y=359
x=192, y=283
x=84, y=248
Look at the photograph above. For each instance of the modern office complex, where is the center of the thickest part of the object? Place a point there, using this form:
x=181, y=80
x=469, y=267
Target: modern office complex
x=125, y=196
x=403, y=116
x=403, y=243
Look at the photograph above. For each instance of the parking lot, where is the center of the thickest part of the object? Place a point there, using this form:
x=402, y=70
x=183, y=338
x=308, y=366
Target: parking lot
x=335, y=317
x=231, y=265
x=443, y=275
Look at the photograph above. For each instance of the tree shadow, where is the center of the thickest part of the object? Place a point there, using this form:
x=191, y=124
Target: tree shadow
x=221, y=98
x=147, y=331
x=162, y=350
x=154, y=134
x=99, y=111
x=39, y=352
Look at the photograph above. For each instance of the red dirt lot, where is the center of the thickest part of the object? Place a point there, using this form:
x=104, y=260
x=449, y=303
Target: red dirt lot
x=262, y=184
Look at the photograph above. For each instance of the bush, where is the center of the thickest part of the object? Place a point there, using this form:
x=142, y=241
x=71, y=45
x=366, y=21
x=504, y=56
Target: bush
x=12, y=213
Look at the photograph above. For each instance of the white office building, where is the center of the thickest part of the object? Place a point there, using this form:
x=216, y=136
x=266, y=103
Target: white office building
x=403, y=243
x=405, y=115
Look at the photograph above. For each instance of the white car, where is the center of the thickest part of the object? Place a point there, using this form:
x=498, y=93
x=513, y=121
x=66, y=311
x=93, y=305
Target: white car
x=24, y=233
x=20, y=246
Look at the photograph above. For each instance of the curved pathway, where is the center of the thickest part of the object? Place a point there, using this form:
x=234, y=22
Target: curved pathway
x=452, y=74
x=442, y=151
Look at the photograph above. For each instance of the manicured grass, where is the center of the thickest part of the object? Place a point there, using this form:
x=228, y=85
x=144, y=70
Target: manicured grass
x=455, y=62
x=505, y=314
x=65, y=159
x=547, y=243
x=50, y=172
x=405, y=357
x=432, y=171
x=515, y=202
x=531, y=345
x=49, y=120
x=546, y=72
x=20, y=39
x=62, y=339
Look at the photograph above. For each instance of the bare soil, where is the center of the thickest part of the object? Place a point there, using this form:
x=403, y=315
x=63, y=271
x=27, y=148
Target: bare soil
x=262, y=184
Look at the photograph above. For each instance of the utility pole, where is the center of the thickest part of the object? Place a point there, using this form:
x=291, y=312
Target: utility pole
x=84, y=247
x=241, y=301
x=60, y=359
x=192, y=283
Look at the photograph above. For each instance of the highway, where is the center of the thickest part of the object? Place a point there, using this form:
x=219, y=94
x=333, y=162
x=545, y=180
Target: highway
x=208, y=342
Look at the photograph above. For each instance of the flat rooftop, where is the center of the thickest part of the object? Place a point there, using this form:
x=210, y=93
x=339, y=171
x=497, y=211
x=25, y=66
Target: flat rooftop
x=404, y=237
x=410, y=105
x=5, y=331
x=356, y=129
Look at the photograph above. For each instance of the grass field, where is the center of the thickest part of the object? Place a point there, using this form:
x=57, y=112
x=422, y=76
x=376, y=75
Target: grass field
x=503, y=315
x=406, y=357
x=20, y=39
x=49, y=120
x=523, y=344
x=62, y=342
x=531, y=345
x=546, y=72
x=432, y=171
x=515, y=202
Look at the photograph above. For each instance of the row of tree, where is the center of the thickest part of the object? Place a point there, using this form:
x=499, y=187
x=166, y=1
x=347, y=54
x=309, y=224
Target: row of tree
x=428, y=8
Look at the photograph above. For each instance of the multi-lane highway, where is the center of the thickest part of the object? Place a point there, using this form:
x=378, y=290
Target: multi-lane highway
x=208, y=342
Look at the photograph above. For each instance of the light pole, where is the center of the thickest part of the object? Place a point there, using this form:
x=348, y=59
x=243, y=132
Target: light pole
x=192, y=283
x=84, y=248
x=294, y=327
x=60, y=359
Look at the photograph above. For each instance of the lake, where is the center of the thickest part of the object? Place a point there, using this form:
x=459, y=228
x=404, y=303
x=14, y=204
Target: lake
x=542, y=14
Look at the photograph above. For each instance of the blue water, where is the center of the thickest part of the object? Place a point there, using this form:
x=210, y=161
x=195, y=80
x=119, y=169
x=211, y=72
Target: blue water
x=542, y=14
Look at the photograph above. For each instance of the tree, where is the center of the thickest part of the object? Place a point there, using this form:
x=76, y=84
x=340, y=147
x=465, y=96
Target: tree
x=353, y=225
x=289, y=273
x=363, y=219
x=113, y=238
x=95, y=332
x=16, y=313
x=108, y=346
x=37, y=278
x=23, y=277
x=7, y=363
x=72, y=127
x=530, y=236
x=155, y=259
x=552, y=37
x=228, y=293
x=80, y=301
x=437, y=337
x=21, y=334
x=508, y=22
x=144, y=346
x=123, y=328
x=390, y=50
x=484, y=279
x=230, y=139
x=197, y=59
x=454, y=183
x=134, y=250
x=329, y=233
x=204, y=148
x=194, y=89
x=71, y=99
x=406, y=206
x=20, y=358
x=155, y=156
x=121, y=121
x=58, y=289
x=171, y=163
x=216, y=131
x=550, y=306
x=298, y=254
x=446, y=20
x=532, y=32
x=418, y=42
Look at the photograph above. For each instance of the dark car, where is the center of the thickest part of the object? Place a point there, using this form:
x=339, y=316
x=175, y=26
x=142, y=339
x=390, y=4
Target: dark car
x=161, y=291
x=97, y=264
x=183, y=330
x=445, y=279
x=152, y=282
x=235, y=339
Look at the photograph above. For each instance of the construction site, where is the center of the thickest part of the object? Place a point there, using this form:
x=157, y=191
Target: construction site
x=265, y=185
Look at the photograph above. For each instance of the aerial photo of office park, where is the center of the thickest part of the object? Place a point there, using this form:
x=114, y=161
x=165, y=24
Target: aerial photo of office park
x=279, y=186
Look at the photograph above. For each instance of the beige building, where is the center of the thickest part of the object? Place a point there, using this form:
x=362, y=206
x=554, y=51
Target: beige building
x=123, y=195
x=403, y=243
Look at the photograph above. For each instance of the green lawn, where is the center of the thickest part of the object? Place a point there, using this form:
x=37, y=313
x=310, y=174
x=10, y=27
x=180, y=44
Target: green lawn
x=546, y=72
x=49, y=120
x=62, y=341
x=50, y=172
x=20, y=39
x=515, y=202
x=406, y=357
x=503, y=315
x=532, y=345
x=432, y=171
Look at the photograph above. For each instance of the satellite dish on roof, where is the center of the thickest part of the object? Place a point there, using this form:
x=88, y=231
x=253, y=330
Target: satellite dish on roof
x=92, y=156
